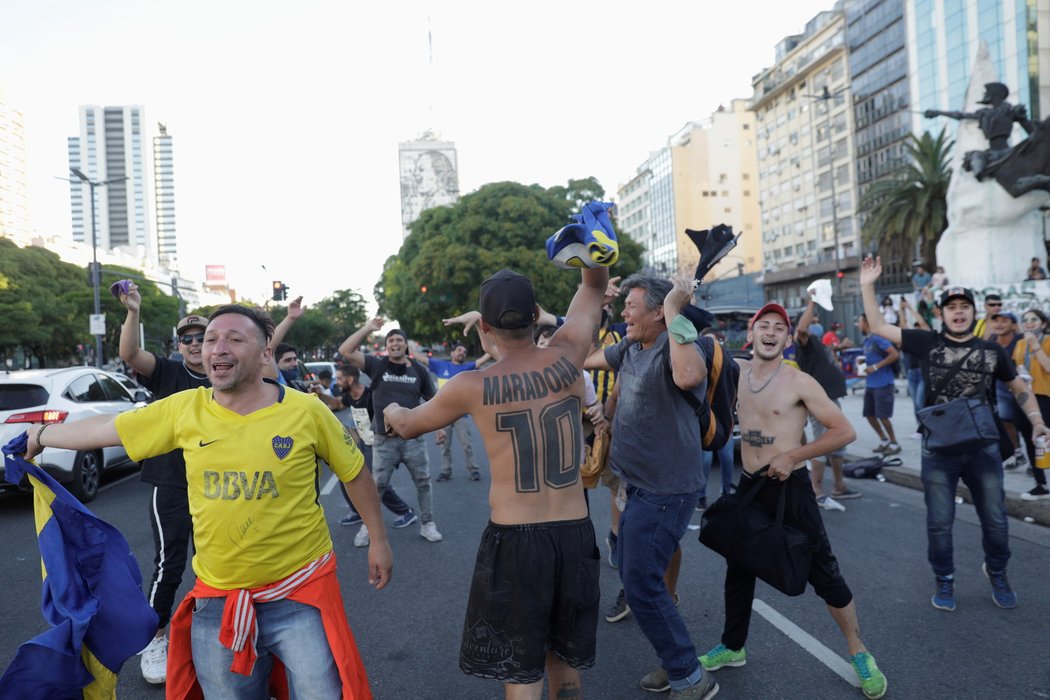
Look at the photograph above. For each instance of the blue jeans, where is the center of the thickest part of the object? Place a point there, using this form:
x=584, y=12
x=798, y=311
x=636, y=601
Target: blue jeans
x=389, y=452
x=389, y=498
x=291, y=631
x=650, y=527
x=917, y=388
x=725, y=464
x=982, y=472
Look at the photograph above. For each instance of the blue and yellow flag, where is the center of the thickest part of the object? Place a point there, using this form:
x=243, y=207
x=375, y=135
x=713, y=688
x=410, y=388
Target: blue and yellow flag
x=590, y=242
x=92, y=597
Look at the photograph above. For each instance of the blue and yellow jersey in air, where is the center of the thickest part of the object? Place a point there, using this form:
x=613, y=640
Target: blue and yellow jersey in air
x=253, y=480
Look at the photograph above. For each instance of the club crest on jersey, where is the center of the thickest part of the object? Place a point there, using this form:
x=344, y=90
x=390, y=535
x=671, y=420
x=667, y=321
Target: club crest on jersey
x=282, y=446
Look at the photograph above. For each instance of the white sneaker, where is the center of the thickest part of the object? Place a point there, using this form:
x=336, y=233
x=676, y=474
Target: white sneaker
x=828, y=503
x=429, y=532
x=1010, y=463
x=361, y=538
x=155, y=660
x=1020, y=458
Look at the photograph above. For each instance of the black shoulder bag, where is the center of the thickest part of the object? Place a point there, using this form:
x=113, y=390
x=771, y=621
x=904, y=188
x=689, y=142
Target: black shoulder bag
x=960, y=425
x=747, y=535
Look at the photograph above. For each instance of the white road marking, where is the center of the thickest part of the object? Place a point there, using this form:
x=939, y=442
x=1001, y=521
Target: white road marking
x=808, y=642
x=329, y=485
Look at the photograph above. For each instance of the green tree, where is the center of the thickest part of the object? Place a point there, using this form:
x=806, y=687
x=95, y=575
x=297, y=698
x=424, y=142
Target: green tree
x=441, y=265
x=908, y=212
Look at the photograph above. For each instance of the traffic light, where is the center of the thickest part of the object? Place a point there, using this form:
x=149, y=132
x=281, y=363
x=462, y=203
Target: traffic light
x=423, y=289
x=279, y=292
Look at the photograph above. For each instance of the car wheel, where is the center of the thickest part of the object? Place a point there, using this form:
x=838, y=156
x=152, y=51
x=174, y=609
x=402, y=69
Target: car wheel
x=87, y=472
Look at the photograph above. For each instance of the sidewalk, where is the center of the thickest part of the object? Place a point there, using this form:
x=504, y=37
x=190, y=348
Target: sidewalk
x=1016, y=481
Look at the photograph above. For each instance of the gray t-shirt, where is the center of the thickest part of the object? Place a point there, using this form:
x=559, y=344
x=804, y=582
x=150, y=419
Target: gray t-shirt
x=656, y=433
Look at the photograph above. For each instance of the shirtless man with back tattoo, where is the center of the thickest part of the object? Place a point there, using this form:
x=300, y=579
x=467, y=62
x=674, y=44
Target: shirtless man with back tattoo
x=774, y=403
x=534, y=597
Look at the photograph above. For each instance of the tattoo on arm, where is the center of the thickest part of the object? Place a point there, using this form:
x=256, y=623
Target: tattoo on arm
x=1022, y=398
x=755, y=438
x=595, y=338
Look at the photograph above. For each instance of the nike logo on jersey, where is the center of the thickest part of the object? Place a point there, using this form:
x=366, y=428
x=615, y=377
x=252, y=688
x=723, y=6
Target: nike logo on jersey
x=205, y=444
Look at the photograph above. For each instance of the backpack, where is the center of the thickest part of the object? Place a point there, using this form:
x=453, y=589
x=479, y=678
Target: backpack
x=869, y=467
x=718, y=413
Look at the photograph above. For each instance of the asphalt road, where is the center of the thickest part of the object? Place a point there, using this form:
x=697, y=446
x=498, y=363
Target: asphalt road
x=409, y=633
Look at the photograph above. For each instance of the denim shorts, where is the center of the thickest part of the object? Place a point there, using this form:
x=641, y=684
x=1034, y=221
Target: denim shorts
x=535, y=589
x=878, y=403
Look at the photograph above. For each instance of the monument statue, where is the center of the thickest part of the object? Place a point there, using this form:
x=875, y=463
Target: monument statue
x=994, y=222
x=996, y=122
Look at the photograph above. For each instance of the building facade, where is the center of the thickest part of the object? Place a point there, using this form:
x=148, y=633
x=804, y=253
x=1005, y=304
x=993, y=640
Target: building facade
x=804, y=133
x=14, y=188
x=946, y=34
x=109, y=147
x=429, y=176
x=164, y=197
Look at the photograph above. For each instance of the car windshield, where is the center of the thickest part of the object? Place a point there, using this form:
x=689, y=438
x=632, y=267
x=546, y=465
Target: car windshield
x=16, y=396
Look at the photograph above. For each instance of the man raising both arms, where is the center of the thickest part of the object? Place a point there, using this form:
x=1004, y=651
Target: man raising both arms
x=266, y=574
x=775, y=402
x=534, y=598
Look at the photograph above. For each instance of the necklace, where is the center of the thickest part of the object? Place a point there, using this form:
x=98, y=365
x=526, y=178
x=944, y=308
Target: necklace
x=759, y=389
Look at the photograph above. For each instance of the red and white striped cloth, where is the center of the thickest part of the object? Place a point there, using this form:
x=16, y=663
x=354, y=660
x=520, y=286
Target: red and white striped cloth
x=240, y=628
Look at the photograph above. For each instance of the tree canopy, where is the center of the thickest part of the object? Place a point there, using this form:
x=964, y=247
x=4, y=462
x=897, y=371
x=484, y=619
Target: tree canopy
x=907, y=213
x=451, y=250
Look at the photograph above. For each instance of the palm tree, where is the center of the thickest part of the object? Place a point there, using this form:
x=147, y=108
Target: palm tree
x=907, y=213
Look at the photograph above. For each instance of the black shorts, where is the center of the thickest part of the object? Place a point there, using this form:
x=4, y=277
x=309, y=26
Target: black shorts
x=535, y=590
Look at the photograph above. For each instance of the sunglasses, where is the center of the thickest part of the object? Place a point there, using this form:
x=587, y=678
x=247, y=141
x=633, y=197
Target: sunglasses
x=188, y=339
x=993, y=303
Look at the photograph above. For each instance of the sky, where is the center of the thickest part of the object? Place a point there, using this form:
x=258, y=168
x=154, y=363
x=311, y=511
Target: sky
x=286, y=117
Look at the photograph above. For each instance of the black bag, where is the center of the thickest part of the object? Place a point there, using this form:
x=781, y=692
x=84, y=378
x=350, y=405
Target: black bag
x=960, y=425
x=748, y=536
x=869, y=468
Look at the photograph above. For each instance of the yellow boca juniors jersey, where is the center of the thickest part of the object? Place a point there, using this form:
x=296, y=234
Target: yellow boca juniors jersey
x=253, y=480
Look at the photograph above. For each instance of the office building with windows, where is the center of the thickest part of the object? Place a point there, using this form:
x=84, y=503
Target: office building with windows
x=164, y=197
x=14, y=197
x=804, y=133
x=109, y=148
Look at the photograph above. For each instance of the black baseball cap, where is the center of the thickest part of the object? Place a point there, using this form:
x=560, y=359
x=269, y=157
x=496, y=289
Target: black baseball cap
x=956, y=293
x=507, y=300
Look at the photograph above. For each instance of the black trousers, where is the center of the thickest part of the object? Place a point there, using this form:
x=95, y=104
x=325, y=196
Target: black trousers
x=1024, y=427
x=802, y=511
x=169, y=517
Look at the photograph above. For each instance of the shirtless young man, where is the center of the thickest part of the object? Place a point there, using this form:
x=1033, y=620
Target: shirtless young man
x=534, y=597
x=775, y=402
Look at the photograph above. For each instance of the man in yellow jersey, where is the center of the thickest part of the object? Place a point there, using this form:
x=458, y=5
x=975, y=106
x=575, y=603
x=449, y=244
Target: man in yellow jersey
x=533, y=603
x=266, y=584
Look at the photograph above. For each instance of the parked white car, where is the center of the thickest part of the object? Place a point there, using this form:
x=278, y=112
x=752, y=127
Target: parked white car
x=62, y=396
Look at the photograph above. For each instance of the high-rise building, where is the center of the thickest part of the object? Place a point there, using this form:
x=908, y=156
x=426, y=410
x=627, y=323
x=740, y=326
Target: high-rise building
x=946, y=34
x=164, y=197
x=14, y=206
x=803, y=108
x=109, y=148
x=878, y=63
x=705, y=175
x=429, y=176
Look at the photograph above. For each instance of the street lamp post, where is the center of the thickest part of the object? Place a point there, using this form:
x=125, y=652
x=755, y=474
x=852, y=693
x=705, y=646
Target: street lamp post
x=826, y=98
x=92, y=184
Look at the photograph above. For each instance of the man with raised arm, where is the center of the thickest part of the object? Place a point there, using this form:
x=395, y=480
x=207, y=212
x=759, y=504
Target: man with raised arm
x=266, y=576
x=775, y=401
x=397, y=378
x=656, y=453
x=956, y=363
x=169, y=510
x=534, y=598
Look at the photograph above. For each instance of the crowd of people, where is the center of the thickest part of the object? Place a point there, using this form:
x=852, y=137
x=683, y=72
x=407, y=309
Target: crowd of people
x=542, y=393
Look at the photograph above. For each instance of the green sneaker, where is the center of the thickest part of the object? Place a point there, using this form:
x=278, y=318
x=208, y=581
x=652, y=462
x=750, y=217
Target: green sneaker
x=723, y=656
x=872, y=682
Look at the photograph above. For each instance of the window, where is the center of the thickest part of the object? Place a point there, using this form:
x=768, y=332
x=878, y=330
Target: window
x=86, y=388
x=114, y=391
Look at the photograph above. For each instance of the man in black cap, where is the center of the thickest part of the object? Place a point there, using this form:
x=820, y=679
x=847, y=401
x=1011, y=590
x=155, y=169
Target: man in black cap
x=169, y=507
x=533, y=603
x=956, y=364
